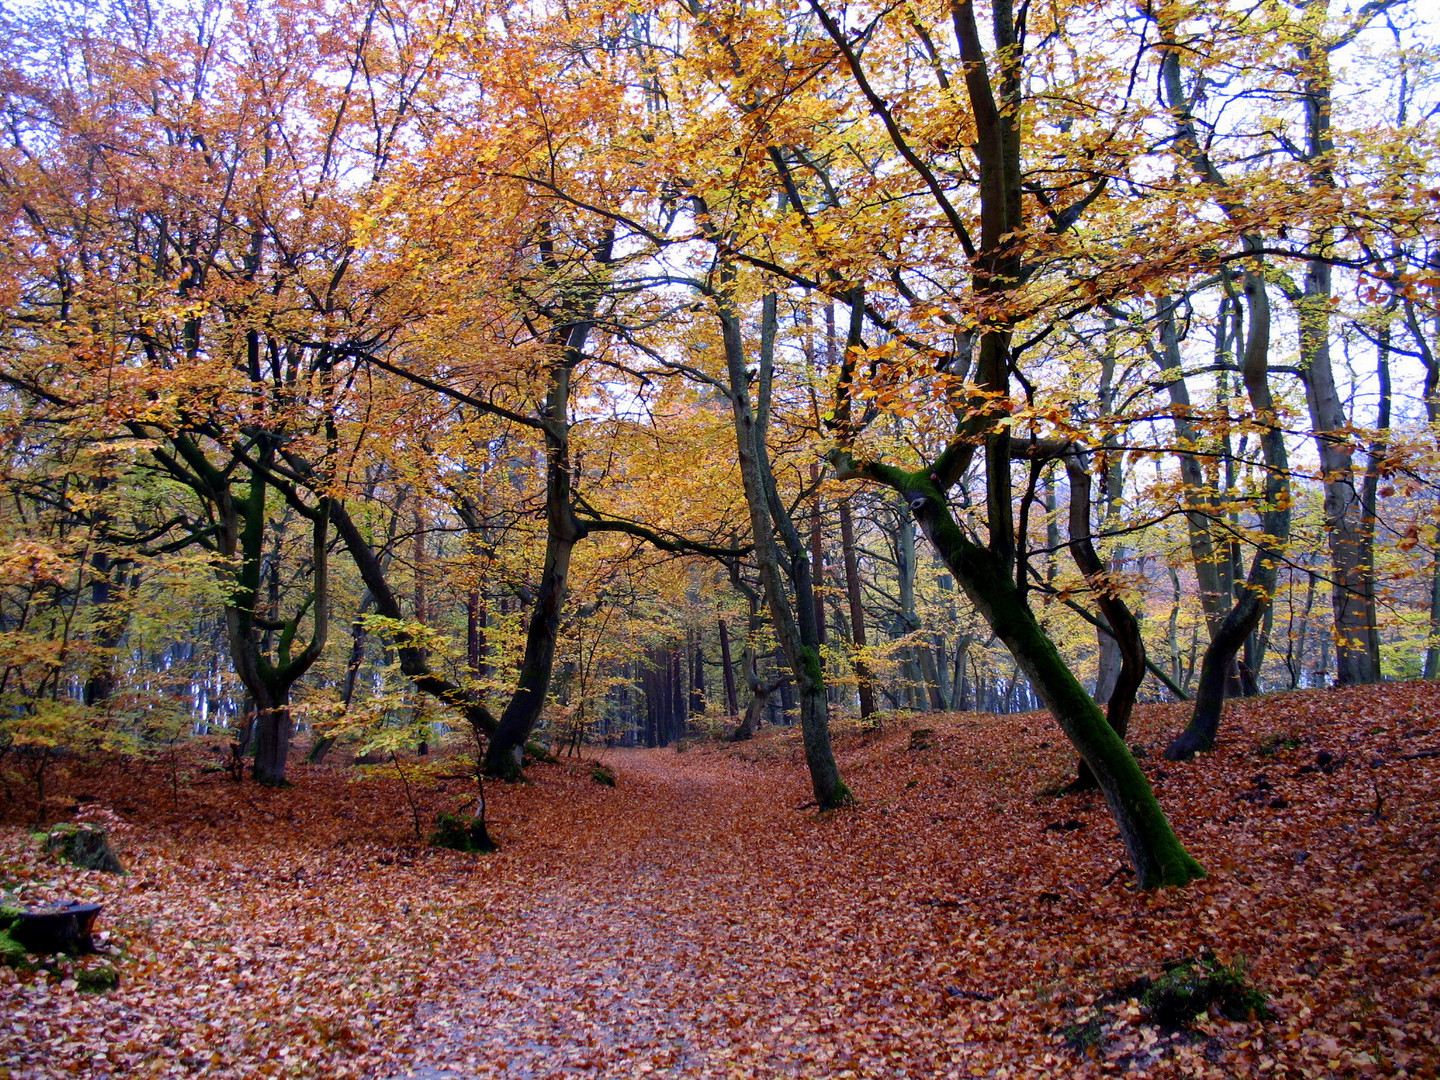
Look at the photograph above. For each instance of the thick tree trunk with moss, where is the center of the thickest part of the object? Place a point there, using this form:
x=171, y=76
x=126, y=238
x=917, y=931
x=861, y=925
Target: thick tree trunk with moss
x=1155, y=852
x=988, y=574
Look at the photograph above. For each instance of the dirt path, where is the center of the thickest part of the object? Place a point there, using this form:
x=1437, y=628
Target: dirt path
x=708, y=925
x=703, y=924
x=669, y=894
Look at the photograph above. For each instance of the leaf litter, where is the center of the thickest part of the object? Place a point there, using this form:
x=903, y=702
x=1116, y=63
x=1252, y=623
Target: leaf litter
x=692, y=922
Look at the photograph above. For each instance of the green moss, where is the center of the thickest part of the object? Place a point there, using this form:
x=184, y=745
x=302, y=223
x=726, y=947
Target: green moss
x=602, y=774
x=842, y=798
x=810, y=661
x=12, y=953
x=1271, y=745
x=462, y=834
x=1084, y=1035
x=1192, y=986
x=97, y=980
x=920, y=738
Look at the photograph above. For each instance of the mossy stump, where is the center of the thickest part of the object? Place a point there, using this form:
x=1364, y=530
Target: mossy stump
x=1195, y=985
x=462, y=834
x=99, y=979
x=60, y=928
x=85, y=846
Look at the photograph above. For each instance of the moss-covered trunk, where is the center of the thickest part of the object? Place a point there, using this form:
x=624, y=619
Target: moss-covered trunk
x=1155, y=852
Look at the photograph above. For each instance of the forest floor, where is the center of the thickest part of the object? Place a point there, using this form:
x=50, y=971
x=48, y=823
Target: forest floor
x=698, y=921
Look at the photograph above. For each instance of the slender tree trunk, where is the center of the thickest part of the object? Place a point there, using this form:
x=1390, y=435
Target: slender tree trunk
x=322, y=746
x=781, y=555
x=731, y=699
x=1248, y=610
x=1370, y=492
x=505, y=754
x=1353, y=573
x=1125, y=635
x=1215, y=597
x=697, y=674
x=817, y=555
x=109, y=622
x=474, y=631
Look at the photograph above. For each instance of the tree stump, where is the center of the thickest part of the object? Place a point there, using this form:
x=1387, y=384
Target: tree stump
x=85, y=846
x=59, y=928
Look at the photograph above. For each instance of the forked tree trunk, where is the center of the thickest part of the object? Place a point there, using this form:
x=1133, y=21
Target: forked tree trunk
x=781, y=557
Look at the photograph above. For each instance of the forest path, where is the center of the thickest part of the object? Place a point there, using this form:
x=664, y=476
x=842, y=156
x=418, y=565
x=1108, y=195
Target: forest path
x=703, y=920
x=665, y=915
x=698, y=922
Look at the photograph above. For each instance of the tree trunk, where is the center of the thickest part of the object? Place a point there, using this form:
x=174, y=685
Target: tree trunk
x=273, y=729
x=817, y=555
x=731, y=699
x=1248, y=610
x=324, y=743
x=504, y=757
x=864, y=683
x=268, y=681
x=781, y=557
x=1128, y=642
x=1354, y=574
x=697, y=674
x=1154, y=851
x=109, y=627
